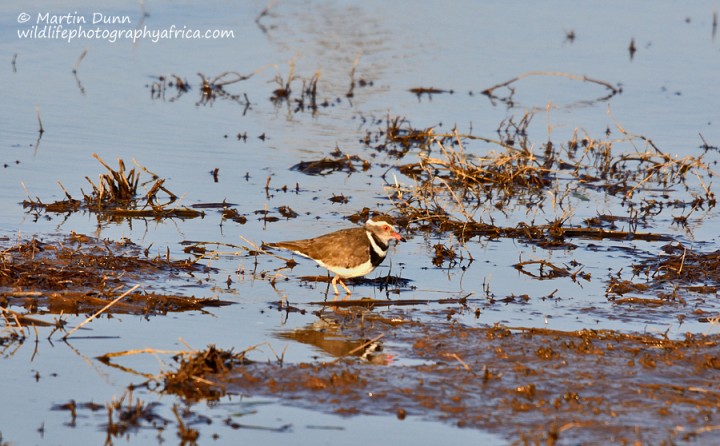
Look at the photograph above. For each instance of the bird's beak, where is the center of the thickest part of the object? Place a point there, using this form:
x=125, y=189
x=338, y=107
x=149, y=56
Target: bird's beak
x=399, y=237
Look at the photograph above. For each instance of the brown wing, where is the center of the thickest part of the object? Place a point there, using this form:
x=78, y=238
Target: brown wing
x=347, y=248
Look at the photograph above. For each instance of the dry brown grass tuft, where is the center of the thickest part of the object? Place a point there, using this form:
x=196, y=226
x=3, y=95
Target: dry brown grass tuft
x=115, y=197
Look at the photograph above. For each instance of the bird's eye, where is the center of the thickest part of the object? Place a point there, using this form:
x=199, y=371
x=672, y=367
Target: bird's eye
x=386, y=228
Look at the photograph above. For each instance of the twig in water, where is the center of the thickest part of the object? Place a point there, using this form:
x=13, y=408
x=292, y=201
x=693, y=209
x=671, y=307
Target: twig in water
x=456, y=357
x=101, y=310
x=351, y=91
x=682, y=261
x=106, y=357
x=613, y=90
x=37, y=112
x=79, y=60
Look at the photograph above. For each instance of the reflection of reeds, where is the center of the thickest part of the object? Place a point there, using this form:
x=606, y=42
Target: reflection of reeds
x=133, y=415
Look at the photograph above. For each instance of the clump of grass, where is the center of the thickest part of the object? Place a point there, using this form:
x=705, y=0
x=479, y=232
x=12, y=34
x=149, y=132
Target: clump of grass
x=117, y=186
x=116, y=196
x=336, y=162
x=193, y=378
x=308, y=97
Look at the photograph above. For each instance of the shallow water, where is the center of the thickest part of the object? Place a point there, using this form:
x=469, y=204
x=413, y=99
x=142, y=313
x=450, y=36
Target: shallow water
x=669, y=94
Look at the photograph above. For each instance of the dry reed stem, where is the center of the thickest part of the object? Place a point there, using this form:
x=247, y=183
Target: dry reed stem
x=41, y=130
x=106, y=357
x=458, y=359
x=28, y=320
x=79, y=60
x=101, y=311
x=356, y=62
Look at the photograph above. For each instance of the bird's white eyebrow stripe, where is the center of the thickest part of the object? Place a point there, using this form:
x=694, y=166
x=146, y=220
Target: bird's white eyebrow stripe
x=380, y=223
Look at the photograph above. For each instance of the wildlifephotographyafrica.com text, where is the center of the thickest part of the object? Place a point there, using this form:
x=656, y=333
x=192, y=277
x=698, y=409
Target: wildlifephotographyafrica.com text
x=100, y=26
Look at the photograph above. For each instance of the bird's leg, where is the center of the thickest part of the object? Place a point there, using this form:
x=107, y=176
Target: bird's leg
x=336, y=280
x=347, y=290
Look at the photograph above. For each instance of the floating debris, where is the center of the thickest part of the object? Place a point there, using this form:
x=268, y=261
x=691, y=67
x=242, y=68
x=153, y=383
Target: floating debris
x=211, y=88
x=340, y=162
x=429, y=91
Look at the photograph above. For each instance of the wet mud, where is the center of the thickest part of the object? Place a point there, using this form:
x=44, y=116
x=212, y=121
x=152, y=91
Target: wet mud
x=532, y=386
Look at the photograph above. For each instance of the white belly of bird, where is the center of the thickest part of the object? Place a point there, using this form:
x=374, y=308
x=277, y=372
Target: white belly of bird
x=356, y=271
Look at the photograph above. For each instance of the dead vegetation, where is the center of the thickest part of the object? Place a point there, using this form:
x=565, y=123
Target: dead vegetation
x=307, y=99
x=672, y=278
x=297, y=98
x=115, y=197
x=465, y=194
x=80, y=275
x=337, y=162
x=531, y=385
x=172, y=87
x=201, y=375
x=429, y=91
x=508, y=88
x=547, y=270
